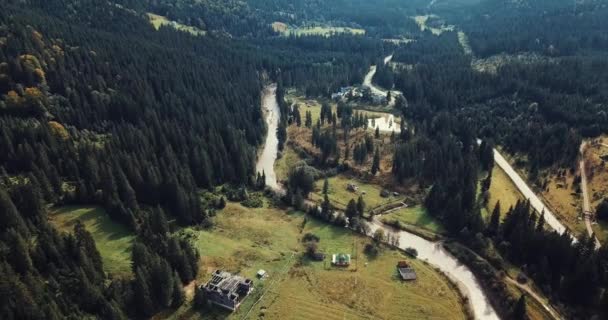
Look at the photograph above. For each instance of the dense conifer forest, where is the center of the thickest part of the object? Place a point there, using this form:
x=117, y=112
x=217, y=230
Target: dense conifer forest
x=99, y=108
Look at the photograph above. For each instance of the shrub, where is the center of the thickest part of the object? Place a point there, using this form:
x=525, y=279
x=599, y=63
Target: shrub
x=412, y=252
x=371, y=249
x=311, y=237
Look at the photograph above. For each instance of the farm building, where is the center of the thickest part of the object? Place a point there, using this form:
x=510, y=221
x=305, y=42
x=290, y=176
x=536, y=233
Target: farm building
x=227, y=290
x=406, y=271
x=352, y=187
x=340, y=259
x=262, y=274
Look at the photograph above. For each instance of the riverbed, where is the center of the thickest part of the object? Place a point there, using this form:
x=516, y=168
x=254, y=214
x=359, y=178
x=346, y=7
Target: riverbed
x=432, y=252
x=268, y=156
x=436, y=255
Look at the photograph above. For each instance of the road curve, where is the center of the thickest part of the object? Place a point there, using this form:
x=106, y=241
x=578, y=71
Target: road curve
x=367, y=82
x=554, y=314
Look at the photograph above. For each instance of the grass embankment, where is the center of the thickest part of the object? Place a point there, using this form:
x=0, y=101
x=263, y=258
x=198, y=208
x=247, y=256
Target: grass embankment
x=504, y=190
x=245, y=240
x=415, y=216
x=113, y=240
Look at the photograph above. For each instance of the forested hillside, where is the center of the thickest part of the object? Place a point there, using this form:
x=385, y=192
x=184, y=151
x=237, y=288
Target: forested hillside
x=99, y=108
x=253, y=18
x=118, y=115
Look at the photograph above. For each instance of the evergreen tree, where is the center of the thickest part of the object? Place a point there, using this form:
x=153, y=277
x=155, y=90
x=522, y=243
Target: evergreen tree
x=376, y=162
x=351, y=209
x=178, y=292
x=143, y=298
x=360, y=206
x=519, y=311
x=494, y=223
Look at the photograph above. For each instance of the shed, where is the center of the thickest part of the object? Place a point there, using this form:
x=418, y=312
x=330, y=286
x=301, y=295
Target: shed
x=406, y=271
x=262, y=273
x=340, y=259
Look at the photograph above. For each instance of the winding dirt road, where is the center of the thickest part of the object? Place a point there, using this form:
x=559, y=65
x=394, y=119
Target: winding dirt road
x=587, y=213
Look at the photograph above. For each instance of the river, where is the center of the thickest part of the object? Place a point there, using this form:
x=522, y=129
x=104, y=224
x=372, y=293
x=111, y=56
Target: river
x=436, y=255
x=432, y=252
x=269, y=154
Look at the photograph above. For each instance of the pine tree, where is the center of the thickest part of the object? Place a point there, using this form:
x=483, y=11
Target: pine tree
x=19, y=253
x=308, y=120
x=143, y=299
x=377, y=134
x=9, y=216
x=325, y=186
x=376, y=162
x=540, y=225
x=360, y=206
x=178, y=292
x=351, y=209
x=519, y=311
x=493, y=226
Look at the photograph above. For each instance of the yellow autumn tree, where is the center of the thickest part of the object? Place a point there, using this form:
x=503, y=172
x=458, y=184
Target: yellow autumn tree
x=34, y=97
x=30, y=62
x=13, y=100
x=58, y=130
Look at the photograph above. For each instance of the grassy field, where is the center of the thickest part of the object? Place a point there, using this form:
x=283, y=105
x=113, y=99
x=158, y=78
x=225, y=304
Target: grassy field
x=244, y=240
x=313, y=290
x=502, y=189
x=416, y=216
x=339, y=195
x=314, y=31
x=423, y=21
x=157, y=21
x=113, y=240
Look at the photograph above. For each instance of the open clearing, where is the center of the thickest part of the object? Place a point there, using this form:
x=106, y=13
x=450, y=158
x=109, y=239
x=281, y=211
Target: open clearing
x=113, y=240
x=325, y=31
x=157, y=21
x=244, y=240
x=339, y=195
x=423, y=23
x=416, y=216
x=502, y=189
